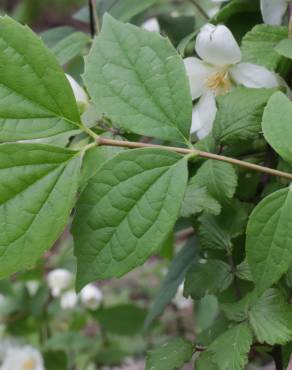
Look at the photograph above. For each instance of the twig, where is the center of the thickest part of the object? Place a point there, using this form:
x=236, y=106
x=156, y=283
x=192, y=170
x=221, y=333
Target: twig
x=94, y=22
x=199, y=153
x=200, y=9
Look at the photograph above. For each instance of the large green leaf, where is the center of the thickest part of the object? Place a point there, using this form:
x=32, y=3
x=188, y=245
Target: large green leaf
x=239, y=114
x=38, y=186
x=36, y=99
x=219, y=178
x=137, y=78
x=208, y=277
x=285, y=48
x=127, y=211
x=269, y=235
x=169, y=356
x=230, y=350
x=270, y=318
x=277, y=126
x=258, y=45
x=175, y=276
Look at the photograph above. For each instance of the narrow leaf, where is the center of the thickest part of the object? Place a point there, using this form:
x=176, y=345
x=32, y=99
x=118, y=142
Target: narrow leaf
x=127, y=211
x=137, y=78
x=175, y=276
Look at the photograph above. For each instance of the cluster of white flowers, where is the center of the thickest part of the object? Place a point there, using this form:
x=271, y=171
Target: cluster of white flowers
x=15, y=357
x=60, y=282
x=219, y=69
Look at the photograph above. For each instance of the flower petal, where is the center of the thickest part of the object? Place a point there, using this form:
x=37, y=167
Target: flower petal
x=216, y=45
x=254, y=76
x=273, y=11
x=151, y=25
x=197, y=72
x=204, y=114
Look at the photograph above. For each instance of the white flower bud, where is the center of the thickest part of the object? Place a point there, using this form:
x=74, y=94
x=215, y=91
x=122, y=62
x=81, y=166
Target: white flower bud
x=79, y=93
x=32, y=286
x=59, y=280
x=180, y=301
x=151, y=25
x=91, y=297
x=68, y=300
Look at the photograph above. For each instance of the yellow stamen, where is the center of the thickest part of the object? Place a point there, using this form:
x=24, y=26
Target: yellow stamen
x=219, y=82
x=29, y=364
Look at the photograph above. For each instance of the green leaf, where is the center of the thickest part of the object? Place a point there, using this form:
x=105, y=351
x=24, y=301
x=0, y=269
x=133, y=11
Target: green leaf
x=71, y=46
x=197, y=199
x=230, y=350
x=54, y=35
x=127, y=211
x=137, y=78
x=243, y=271
x=212, y=235
x=284, y=48
x=208, y=277
x=38, y=187
x=277, y=125
x=93, y=159
x=175, y=276
x=123, y=319
x=239, y=114
x=258, y=45
x=269, y=234
x=123, y=10
x=219, y=178
x=205, y=361
x=169, y=356
x=36, y=98
x=270, y=318
x=217, y=232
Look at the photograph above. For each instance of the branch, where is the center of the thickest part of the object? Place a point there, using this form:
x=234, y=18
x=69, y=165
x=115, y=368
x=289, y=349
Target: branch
x=134, y=145
x=94, y=22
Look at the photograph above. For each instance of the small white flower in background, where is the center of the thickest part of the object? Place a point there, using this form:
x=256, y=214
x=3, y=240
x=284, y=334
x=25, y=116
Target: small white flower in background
x=216, y=72
x=32, y=286
x=273, y=11
x=180, y=301
x=91, y=297
x=79, y=93
x=151, y=25
x=59, y=280
x=68, y=300
x=2, y=299
x=23, y=358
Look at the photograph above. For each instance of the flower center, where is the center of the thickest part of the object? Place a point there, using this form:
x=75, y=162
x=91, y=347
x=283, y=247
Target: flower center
x=219, y=82
x=29, y=364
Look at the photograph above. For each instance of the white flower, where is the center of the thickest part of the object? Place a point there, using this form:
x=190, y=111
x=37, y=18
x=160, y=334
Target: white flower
x=79, y=93
x=180, y=301
x=32, y=286
x=218, y=70
x=151, y=25
x=59, y=280
x=23, y=358
x=68, y=300
x=91, y=297
x=273, y=11
x=2, y=299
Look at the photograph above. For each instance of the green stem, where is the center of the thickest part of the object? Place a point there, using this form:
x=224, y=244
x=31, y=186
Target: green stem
x=200, y=9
